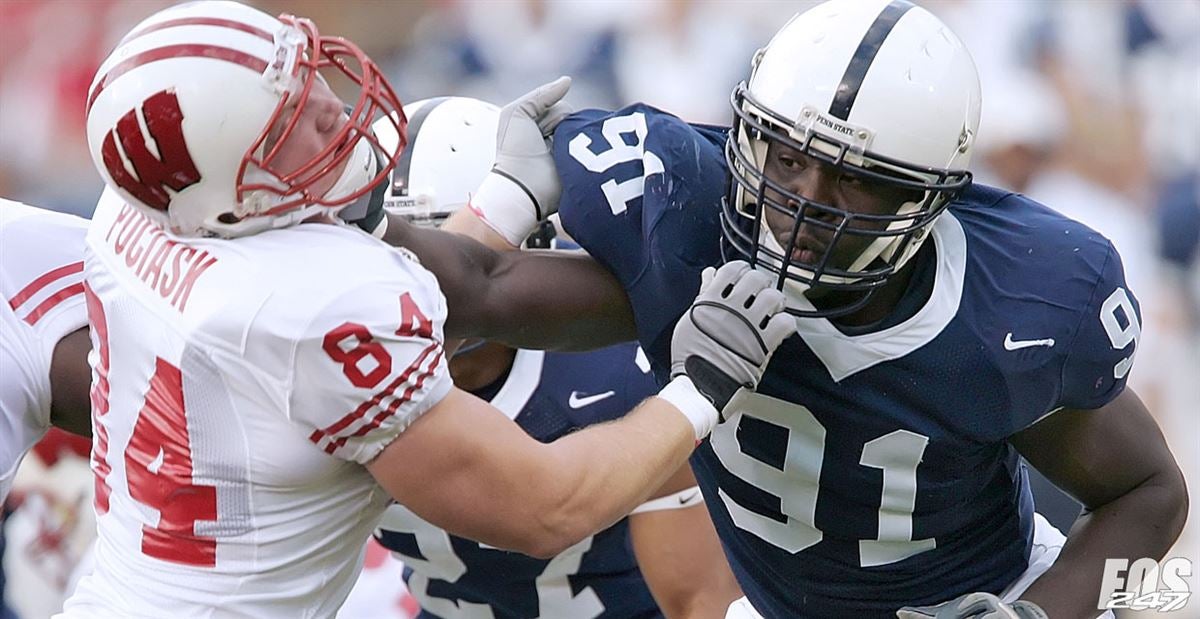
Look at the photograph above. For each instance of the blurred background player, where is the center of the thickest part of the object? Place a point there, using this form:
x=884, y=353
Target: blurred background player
x=44, y=382
x=664, y=555
x=260, y=398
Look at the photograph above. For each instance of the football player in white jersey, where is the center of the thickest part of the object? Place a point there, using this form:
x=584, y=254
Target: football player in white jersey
x=664, y=559
x=43, y=330
x=44, y=342
x=261, y=393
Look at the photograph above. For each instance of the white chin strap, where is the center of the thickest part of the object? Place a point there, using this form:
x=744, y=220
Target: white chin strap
x=883, y=247
x=793, y=291
x=359, y=170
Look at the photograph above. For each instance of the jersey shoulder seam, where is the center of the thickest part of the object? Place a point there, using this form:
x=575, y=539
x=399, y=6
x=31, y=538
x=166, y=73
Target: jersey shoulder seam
x=1084, y=312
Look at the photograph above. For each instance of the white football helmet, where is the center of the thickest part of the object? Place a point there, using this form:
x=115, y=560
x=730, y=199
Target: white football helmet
x=882, y=90
x=178, y=117
x=452, y=144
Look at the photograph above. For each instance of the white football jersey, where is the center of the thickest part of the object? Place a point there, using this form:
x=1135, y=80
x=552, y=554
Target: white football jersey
x=241, y=387
x=41, y=301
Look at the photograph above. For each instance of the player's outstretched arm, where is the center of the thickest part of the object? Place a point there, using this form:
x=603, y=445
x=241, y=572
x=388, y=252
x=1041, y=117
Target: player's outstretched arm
x=527, y=299
x=679, y=554
x=1116, y=462
x=467, y=468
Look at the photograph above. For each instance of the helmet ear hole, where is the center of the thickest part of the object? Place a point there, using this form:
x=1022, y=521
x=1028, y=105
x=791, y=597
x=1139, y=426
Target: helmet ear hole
x=965, y=140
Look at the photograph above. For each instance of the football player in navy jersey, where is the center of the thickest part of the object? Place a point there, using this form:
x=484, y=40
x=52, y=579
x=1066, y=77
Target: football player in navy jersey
x=665, y=555
x=943, y=329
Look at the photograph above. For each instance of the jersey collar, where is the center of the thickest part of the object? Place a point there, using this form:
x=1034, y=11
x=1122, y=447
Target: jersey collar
x=522, y=381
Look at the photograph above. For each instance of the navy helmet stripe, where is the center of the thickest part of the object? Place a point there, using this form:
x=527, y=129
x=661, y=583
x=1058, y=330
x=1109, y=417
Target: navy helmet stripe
x=403, y=165
x=852, y=79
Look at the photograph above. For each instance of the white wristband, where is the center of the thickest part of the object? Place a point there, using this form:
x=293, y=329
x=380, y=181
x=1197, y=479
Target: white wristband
x=505, y=207
x=682, y=394
x=683, y=499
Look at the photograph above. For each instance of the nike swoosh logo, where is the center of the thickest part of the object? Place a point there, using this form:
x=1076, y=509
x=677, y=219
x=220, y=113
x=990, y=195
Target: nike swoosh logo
x=684, y=500
x=579, y=401
x=1011, y=344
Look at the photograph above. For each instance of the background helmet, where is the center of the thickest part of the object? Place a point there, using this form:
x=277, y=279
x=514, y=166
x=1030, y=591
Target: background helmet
x=178, y=114
x=879, y=89
x=452, y=144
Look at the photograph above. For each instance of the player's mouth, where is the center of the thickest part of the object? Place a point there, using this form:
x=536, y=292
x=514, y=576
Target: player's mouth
x=807, y=252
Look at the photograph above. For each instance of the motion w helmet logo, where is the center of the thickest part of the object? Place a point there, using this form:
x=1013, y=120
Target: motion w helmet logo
x=172, y=167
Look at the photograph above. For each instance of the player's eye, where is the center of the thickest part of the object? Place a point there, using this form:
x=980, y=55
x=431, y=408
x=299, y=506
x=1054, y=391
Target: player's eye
x=790, y=163
x=851, y=180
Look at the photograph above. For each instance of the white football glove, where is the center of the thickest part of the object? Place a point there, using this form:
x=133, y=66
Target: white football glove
x=523, y=187
x=974, y=606
x=723, y=342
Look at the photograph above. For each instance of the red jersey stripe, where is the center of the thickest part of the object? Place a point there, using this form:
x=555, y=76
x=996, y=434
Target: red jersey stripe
x=42, y=281
x=52, y=301
x=362, y=409
x=395, y=405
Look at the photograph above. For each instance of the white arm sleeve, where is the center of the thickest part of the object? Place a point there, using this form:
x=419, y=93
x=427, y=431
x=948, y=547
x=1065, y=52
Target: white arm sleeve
x=683, y=499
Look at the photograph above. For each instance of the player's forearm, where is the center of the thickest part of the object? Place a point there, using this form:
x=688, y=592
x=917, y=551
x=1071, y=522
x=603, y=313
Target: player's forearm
x=464, y=221
x=699, y=585
x=502, y=295
x=603, y=472
x=1144, y=522
x=681, y=560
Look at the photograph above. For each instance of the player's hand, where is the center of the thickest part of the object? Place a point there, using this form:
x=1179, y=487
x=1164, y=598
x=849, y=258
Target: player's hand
x=523, y=187
x=723, y=342
x=974, y=606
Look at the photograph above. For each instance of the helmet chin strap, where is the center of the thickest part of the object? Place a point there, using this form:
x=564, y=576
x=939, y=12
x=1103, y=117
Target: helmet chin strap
x=793, y=291
x=886, y=247
x=360, y=168
x=881, y=248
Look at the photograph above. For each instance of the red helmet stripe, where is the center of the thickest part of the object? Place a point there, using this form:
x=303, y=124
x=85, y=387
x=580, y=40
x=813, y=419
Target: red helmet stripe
x=201, y=21
x=198, y=50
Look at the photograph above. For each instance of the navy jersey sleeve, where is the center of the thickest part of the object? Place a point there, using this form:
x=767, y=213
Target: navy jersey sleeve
x=1102, y=350
x=642, y=194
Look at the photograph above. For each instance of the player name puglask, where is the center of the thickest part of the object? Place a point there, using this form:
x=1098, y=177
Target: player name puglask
x=147, y=252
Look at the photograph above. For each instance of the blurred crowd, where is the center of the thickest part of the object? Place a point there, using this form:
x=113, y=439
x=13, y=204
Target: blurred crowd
x=1090, y=106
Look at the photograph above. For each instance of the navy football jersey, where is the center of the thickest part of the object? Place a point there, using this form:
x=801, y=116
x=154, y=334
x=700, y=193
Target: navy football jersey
x=549, y=395
x=868, y=471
